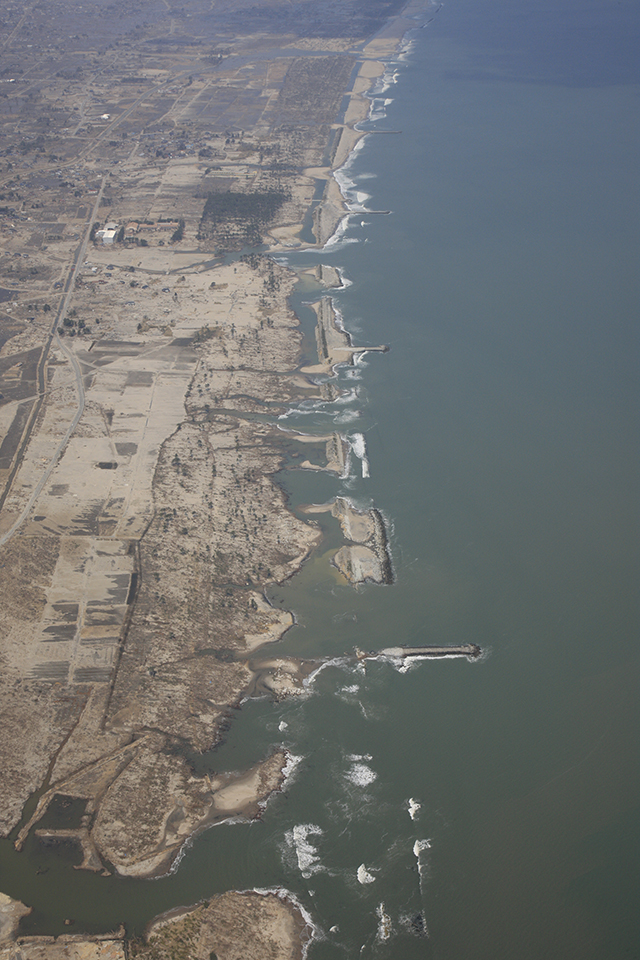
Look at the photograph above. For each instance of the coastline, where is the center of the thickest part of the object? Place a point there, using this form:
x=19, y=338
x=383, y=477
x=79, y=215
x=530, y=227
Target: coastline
x=265, y=922
x=116, y=737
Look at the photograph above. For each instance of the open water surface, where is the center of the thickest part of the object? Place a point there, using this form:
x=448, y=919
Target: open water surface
x=501, y=433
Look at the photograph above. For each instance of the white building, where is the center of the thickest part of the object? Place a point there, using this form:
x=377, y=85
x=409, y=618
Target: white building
x=108, y=233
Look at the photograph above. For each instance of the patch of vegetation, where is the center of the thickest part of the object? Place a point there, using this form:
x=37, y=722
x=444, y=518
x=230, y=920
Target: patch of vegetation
x=235, y=219
x=206, y=333
x=178, y=233
x=175, y=941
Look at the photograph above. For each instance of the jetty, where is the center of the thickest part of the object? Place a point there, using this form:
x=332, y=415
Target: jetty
x=470, y=650
x=333, y=341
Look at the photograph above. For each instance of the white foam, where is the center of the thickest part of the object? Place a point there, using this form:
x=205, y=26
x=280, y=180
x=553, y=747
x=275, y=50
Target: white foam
x=283, y=894
x=333, y=662
x=338, y=318
x=400, y=664
x=407, y=664
x=306, y=854
x=378, y=108
x=348, y=416
x=283, y=725
x=359, y=447
x=413, y=808
x=291, y=765
x=364, y=876
x=344, y=280
x=384, y=923
x=349, y=396
x=419, y=848
x=338, y=237
x=421, y=845
x=186, y=846
x=406, y=47
x=361, y=775
x=346, y=182
x=388, y=80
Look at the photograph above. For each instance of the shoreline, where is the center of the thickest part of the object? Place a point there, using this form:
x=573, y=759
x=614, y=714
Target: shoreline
x=115, y=740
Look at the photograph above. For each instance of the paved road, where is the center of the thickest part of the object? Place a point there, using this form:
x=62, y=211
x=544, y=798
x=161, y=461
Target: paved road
x=68, y=352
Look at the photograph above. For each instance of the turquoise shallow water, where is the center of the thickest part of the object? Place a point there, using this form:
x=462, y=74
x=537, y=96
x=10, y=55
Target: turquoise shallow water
x=501, y=431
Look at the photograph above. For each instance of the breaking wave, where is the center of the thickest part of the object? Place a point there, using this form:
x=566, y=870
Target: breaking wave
x=306, y=854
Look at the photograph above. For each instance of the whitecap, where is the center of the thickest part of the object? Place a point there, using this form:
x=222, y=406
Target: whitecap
x=364, y=876
x=421, y=845
x=291, y=765
x=361, y=775
x=332, y=662
x=413, y=807
x=306, y=853
x=384, y=923
x=358, y=359
x=348, y=416
x=349, y=396
x=282, y=893
x=419, y=851
x=338, y=236
x=359, y=447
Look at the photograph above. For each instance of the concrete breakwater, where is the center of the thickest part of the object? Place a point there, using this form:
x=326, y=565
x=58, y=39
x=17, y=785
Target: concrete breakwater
x=333, y=342
x=282, y=677
x=471, y=650
x=381, y=545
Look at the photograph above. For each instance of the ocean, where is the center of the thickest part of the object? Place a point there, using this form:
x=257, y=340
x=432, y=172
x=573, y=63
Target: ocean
x=454, y=809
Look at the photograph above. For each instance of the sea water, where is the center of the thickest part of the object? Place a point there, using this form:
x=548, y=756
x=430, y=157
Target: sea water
x=454, y=809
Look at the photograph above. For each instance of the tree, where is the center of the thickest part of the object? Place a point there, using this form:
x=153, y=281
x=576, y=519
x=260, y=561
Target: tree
x=178, y=233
